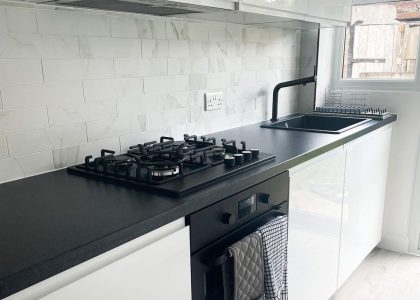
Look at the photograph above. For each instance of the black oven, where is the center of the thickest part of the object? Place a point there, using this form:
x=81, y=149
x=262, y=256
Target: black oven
x=218, y=226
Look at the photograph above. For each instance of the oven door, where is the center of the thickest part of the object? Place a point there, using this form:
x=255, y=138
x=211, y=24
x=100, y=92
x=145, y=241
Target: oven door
x=206, y=264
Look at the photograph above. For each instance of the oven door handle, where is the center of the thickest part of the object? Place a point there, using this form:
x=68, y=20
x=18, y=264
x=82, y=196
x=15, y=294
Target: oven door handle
x=222, y=259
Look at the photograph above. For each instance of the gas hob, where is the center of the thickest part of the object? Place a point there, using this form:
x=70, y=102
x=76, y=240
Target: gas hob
x=167, y=166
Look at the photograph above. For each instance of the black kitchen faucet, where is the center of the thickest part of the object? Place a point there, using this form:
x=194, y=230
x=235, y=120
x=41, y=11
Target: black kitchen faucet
x=281, y=85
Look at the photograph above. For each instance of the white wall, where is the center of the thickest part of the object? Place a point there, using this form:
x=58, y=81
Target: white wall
x=73, y=81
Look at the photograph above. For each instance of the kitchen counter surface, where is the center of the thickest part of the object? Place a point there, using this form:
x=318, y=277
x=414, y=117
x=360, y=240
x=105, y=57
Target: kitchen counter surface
x=54, y=221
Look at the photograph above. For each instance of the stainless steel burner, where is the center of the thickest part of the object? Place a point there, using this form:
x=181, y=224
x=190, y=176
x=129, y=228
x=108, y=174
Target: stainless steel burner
x=165, y=172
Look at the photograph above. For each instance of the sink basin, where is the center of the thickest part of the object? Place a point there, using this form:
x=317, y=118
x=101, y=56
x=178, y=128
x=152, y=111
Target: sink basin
x=317, y=123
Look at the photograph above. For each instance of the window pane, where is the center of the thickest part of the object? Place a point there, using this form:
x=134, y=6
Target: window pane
x=382, y=41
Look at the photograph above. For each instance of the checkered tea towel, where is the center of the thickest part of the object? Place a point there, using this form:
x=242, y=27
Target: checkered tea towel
x=274, y=242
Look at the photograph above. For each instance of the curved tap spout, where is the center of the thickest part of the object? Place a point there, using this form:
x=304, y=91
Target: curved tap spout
x=281, y=85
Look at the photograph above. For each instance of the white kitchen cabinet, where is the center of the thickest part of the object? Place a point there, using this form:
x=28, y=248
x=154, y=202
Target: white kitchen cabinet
x=333, y=12
x=315, y=207
x=159, y=271
x=273, y=7
x=364, y=196
x=153, y=266
x=337, y=10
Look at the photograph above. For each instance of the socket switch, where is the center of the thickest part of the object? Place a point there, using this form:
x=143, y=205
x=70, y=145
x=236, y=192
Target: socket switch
x=213, y=101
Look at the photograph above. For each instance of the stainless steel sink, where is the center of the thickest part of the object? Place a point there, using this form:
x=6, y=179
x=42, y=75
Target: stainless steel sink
x=317, y=123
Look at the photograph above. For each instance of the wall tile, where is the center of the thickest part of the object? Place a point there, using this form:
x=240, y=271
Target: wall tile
x=282, y=63
x=233, y=64
x=68, y=114
x=199, y=65
x=38, y=46
x=179, y=66
x=156, y=120
x=256, y=63
x=20, y=20
x=20, y=71
x=177, y=30
x=76, y=154
x=256, y=35
x=155, y=48
x=209, y=81
x=218, y=64
x=208, y=49
x=112, y=89
x=33, y=141
x=242, y=78
x=217, y=80
x=234, y=33
x=116, y=127
x=127, y=67
x=77, y=69
x=198, y=82
x=235, y=49
x=3, y=23
x=104, y=47
x=4, y=152
x=27, y=95
x=22, y=119
x=72, y=23
x=26, y=166
x=151, y=28
x=179, y=49
x=129, y=140
x=162, y=85
x=124, y=27
x=218, y=33
x=130, y=27
x=152, y=103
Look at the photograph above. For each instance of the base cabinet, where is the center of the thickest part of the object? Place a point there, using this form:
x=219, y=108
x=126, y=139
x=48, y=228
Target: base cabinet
x=153, y=266
x=335, y=216
x=160, y=271
x=315, y=207
x=364, y=195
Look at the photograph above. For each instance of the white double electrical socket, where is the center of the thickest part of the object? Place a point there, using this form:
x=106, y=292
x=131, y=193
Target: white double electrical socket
x=213, y=101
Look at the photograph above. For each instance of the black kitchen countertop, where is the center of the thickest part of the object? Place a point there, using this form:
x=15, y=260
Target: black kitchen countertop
x=54, y=221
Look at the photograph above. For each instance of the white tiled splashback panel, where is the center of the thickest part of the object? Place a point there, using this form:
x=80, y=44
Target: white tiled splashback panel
x=73, y=81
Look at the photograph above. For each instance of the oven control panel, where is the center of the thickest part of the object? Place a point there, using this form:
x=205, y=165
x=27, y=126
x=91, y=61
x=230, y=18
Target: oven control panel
x=225, y=216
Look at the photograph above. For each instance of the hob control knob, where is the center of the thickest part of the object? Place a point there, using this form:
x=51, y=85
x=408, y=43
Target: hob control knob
x=239, y=159
x=229, y=161
x=255, y=153
x=228, y=219
x=247, y=155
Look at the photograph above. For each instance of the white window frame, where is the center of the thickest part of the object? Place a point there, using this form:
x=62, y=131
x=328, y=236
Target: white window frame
x=368, y=84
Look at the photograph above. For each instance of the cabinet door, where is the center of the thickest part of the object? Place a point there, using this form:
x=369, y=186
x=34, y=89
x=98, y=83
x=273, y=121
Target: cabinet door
x=364, y=196
x=316, y=193
x=158, y=271
x=339, y=10
x=292, y=6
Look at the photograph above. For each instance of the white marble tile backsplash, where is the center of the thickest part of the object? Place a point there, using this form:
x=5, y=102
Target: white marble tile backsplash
x=75, y=81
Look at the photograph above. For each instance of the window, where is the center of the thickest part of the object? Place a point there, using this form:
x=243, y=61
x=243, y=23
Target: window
x=382, y=41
